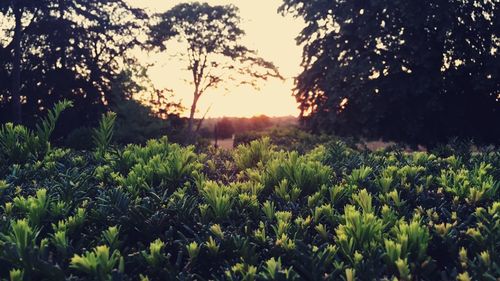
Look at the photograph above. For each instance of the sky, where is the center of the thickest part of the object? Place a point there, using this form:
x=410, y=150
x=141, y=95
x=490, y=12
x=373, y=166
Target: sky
x=268, y=32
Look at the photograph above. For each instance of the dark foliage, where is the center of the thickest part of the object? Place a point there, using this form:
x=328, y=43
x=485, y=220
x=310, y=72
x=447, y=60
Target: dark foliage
x=224, y=129
x=414, y=71
x=287, y=138
x=68, y=50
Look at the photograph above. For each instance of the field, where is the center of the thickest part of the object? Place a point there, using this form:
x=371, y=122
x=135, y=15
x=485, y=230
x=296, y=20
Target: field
x=162, y=211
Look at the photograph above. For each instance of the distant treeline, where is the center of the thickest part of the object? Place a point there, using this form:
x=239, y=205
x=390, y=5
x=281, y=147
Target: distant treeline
x=226, y=127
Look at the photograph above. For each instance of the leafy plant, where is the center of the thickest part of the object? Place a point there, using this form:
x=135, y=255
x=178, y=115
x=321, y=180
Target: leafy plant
x=249, y=156
x=48, y=124
x=212, y=246
x=155, y=257
x=158, y=165
x=103, y=134
x=193, y=250
x=273, y=270
x=61, y=242
x=299, y=173
x=472, y=186
x=22, y=236
x=218, y=199
x=111, y=238
x=360, y=231
x=16, y=275
x=98, y=263
x=35, y=207
x=19, y=144
x=413, y=238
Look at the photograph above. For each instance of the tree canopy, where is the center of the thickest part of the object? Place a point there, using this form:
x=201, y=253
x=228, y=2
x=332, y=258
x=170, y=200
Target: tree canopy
x=414, y=71
x=69, y=50
x=214, y=53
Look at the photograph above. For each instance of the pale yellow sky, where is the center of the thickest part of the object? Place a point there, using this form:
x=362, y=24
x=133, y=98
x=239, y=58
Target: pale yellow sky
x=267, y=32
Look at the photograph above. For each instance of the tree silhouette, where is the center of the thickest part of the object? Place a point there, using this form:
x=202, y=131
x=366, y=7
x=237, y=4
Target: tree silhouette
x=213, y=50
x=72, y=49
x=18, y=9
x=224, y=128
x=413, y=71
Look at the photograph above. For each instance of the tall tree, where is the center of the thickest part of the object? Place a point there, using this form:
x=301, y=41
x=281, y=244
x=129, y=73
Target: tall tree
x=212, y=35
x=16, y=65
x=414, y=71
x=75, y=50
x=18, y=9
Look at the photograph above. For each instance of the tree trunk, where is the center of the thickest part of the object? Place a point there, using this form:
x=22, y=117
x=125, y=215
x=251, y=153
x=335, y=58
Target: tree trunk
x=202, y=119
x=193, y=111
x=216, y=135
x=191, y=117
x=62, y=34
x=16, y=66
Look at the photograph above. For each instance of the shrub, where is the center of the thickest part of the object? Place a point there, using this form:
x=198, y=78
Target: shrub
x=19, y=144
x=297, y=172
x=288, y=138
x=249, y=156
x=98, y=263
x=162, y=211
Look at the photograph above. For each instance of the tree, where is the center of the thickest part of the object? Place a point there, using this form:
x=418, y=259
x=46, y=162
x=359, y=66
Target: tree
x=76, y=50
x=224, y=128
x=259, y=123
x=18, y=9
x=213, y=50
x=142, y=111
x=412, y=71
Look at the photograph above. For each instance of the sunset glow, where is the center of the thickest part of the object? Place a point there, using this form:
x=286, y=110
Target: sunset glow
x=267, y=32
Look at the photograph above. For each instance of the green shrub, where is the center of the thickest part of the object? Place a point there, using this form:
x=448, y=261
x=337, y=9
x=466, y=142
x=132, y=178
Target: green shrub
x=102, y=135
x=218, y=198
x=98, y=263
x=158, y=165
x=298, y=171
x=249, y=156
x=287, y=138
x=161, y=211
x=472, y=186
x=19, y=144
